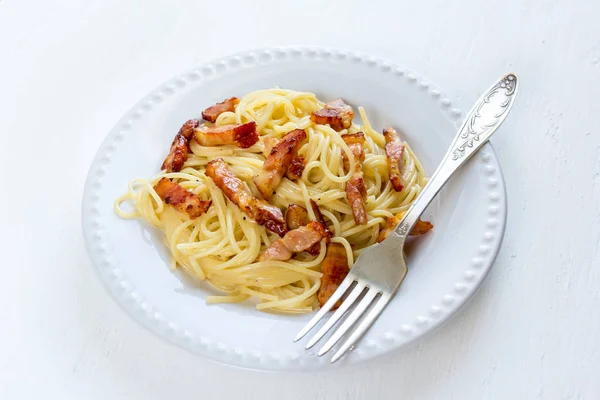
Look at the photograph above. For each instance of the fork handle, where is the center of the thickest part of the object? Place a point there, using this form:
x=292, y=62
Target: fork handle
x=482, y=121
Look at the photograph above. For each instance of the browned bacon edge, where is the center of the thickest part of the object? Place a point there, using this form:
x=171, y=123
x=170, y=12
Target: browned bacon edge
x=420, y=228
x=180, y=146
x=296, y=168
x=184, y=200
x=296, y=216
x=233, y=187
x=336, y=113
x=212, y=113
x=244, y=135
x=278, y=162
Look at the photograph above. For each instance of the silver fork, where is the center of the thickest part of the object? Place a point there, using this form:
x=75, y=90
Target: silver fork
x=380, y=269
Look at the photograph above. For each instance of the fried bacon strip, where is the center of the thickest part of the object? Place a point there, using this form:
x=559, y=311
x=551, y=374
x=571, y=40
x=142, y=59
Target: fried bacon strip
x=394, y=149
x=336, y=113
x=297, y=165
x=294, y=241
x=278, y=162
x=185, y=201
x=244, y=135
x=264, y=214
x=297, y=216
x=212, y=113
x=296, y=168
x=355, y=187
x=420, y=228
x=180, y=146
x=334, y=269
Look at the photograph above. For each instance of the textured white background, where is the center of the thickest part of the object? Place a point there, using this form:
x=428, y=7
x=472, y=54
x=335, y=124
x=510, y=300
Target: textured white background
x=70, y=69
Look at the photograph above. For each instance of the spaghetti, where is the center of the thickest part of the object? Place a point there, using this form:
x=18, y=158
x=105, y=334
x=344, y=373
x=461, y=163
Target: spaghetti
x=223, y=245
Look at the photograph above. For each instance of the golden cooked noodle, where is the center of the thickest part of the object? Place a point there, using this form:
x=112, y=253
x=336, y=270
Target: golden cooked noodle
x=222, y=246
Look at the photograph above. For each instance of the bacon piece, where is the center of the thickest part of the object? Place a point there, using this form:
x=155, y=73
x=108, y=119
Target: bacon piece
x=394, y=149
x=355, y=187
x=177, y=155
x=297, y=165
x=185, y=201
x=296, y=216
x=334, y=269
x=244, y=135
x=420, y=228
x=212, y=112
x=336, y=113
x=180, y=146
x=355, y=191
x=278, y=162
x=264, y=214
x=294, y=241
x=296, y=168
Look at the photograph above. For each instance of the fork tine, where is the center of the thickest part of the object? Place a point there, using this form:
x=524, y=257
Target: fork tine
x=347, y=303
x=346, y=283
x=362, y=327
x=352, y=318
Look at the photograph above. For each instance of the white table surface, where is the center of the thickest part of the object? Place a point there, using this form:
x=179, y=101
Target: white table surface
x=69, y=69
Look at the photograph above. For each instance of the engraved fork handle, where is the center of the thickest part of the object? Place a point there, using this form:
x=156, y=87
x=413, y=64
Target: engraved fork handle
x=482, y=121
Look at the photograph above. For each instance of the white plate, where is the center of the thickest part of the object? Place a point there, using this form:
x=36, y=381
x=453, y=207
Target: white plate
x=445, y=266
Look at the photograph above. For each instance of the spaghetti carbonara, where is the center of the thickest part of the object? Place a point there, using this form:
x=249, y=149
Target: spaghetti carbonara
x=222, y=243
